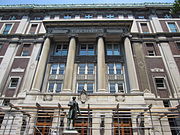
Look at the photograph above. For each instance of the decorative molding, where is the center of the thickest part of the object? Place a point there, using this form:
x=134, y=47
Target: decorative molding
x=157, y=70
x=17, y=69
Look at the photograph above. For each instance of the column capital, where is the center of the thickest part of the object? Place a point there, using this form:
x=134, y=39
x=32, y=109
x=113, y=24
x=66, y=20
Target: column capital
x=127, y=35
x=72, y=36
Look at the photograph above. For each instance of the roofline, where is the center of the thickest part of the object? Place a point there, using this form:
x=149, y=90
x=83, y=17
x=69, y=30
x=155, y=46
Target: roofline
x=87, y=6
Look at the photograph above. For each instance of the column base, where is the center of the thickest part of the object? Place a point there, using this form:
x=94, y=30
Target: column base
x=66, y=91
x=101, y=91
x=35, y=90
x=135, y=91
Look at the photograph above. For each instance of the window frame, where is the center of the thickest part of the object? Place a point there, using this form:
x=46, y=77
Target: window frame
x=86, y=69
x=57, y=69
x=56, y=53
x=164, y=82
x=116, y=84
x=148, y=25
x=10, y=82
x=29, y=51
x=54, y=90
x=29, y=28
x=113, y=49
x=177, y=45
x=85, y=86
x=4, y=26
x=114, y=69
x=172, y=22
x=86, y=52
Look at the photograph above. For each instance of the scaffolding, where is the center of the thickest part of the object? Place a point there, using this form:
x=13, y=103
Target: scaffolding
x=51, y=120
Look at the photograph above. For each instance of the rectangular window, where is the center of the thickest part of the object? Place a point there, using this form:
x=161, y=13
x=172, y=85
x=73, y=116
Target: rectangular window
x=172, y=27
x=110, y=16
x=61, y=50
x=1, y=46
x=13, y=82
x=33, y=29
x=160, y=83
x=7, y=28
x=87, y=49
x=88, y=16
x=144, y=28
x=25, y=50
x=177, y=43
x=57, y=69
x=113, y=49
x=67, y=16
x=114, y=68
x=12, y=17
x=55, y=87
x=88, y=86
x=86, y=69
x=150, y=49
x=116, y=87
x=140, y=17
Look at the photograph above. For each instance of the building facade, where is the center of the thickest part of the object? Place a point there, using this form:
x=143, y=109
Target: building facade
x=121, y=61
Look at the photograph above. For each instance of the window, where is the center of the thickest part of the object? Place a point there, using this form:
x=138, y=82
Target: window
x=116, y=87
x=12, y=17
x=7, y=28
x=160, y=83
x=1, y=46
x=25, y=50
x=110, y=16
x=167, y=16
x=6, y=102
x=151, y=53
x=38, y=18
x=1, y=119
x=113, y=49
x=177, y=43
x=140, y=17
x=33, y=29
x=88, y=86
x=144, y=28
x=13, y=82
x=55, y=87
x=172, y=27
x=67, y=16
x=61, y=50
x=114, y=68
x=57, y=69
x=88, y=16
x=150, y=49
x=87, y=49
x=86, y=69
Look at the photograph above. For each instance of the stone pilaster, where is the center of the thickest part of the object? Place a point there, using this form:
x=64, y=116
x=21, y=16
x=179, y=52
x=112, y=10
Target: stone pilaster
x=38, y=79
x=101, y=69
x=68, y=77
x=133, y=82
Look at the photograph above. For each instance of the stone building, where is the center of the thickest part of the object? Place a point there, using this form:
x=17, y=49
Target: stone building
x=121, y=61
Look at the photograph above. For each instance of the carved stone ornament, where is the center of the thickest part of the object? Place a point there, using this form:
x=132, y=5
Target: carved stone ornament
x=17, y=69
x=147, y=91
x=120, y=98
x=83, y=96
x=48, y=97
x=157, y=70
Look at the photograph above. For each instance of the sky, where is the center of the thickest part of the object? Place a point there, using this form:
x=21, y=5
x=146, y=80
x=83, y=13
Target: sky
x=12, y=2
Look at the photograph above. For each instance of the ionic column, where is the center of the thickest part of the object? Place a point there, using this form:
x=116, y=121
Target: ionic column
x=101, y=69
x=68, y=77
x=133, y=82
x=38, y=79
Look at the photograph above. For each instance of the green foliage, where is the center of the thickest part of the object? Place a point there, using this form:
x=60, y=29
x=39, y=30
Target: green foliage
x=176, y=6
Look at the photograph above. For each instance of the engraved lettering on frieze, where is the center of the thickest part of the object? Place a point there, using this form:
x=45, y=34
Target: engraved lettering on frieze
x=86, y=30
x=157, y=70
x=114, y=30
